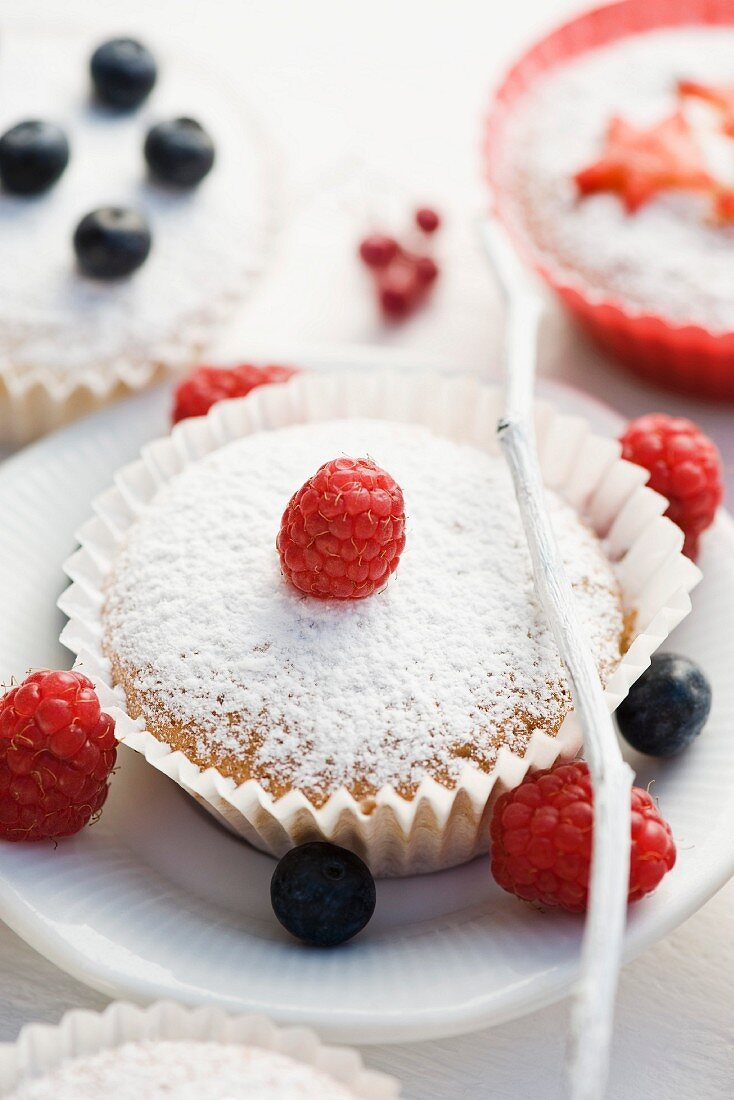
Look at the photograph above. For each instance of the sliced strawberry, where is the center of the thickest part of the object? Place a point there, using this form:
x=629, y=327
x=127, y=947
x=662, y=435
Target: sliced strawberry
x=720, y=96
x=638, y=163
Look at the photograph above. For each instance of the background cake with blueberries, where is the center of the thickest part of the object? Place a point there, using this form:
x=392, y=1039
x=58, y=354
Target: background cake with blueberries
x=135, y=208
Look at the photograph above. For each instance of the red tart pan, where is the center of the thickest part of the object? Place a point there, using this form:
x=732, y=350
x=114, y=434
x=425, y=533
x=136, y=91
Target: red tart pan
x=687, y=358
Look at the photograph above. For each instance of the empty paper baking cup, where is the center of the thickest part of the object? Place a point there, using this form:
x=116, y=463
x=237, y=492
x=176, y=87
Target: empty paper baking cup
x=688, y=358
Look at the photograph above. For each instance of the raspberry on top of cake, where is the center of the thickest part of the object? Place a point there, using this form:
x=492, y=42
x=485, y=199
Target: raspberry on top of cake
x=227, y=661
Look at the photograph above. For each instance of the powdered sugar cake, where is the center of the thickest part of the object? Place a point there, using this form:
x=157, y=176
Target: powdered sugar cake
x=67, y=343
x=184, y=1071
x=452, y=661
x=669, y=258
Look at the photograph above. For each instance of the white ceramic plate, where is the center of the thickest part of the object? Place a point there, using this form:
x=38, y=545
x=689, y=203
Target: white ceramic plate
x=157, y=901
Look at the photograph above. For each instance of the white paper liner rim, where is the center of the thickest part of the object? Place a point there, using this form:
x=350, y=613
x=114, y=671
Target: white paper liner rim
x=40, y=1048
x=439, y=827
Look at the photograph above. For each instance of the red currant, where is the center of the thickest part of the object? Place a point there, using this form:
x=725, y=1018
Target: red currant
x=427, y=219
x=378, y=250
x=426, y=269
x=399, y=288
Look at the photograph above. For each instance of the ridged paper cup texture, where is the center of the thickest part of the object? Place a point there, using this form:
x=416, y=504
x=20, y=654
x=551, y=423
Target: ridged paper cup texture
x=438, y=827
x=40, y=1049
x=688, y=358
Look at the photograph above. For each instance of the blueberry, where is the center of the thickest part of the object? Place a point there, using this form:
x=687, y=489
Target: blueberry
x=667, y=707
x=179, y=152
x=123, y=73
x=33, y=155
x=111, y=242
x=322, y=894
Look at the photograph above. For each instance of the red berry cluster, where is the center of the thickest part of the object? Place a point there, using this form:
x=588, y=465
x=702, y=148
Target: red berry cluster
x=403, y=276
x=542, y=834
x=205, y=385
x=684, y=466
x=57, y=750
x=342, y=534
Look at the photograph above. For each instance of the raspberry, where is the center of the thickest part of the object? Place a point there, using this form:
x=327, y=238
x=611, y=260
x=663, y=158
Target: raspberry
x=541, y=839
x=204, y=386
x=684, y=466
x=342, y=534
x=57, y=750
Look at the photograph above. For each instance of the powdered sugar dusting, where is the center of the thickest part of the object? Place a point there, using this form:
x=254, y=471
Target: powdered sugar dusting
x=668, y=257
x=184, y=1071
x=208, y=242
x=450, y=661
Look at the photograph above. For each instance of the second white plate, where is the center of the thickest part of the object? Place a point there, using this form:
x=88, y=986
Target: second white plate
x=157, y=901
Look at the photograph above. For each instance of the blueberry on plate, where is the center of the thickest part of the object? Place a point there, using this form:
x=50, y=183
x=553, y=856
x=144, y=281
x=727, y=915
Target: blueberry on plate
x=322, y=894
x=111, y=242
x=33, y=154
x=667, y=708
x=123, y=73
x=179, y=152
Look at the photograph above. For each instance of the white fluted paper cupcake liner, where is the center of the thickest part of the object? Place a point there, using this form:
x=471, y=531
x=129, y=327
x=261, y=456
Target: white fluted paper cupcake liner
x=40, y=1049
x=438, y=828
x=35, y=402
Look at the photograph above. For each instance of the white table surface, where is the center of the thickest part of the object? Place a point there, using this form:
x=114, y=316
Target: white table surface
x=376, y=104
